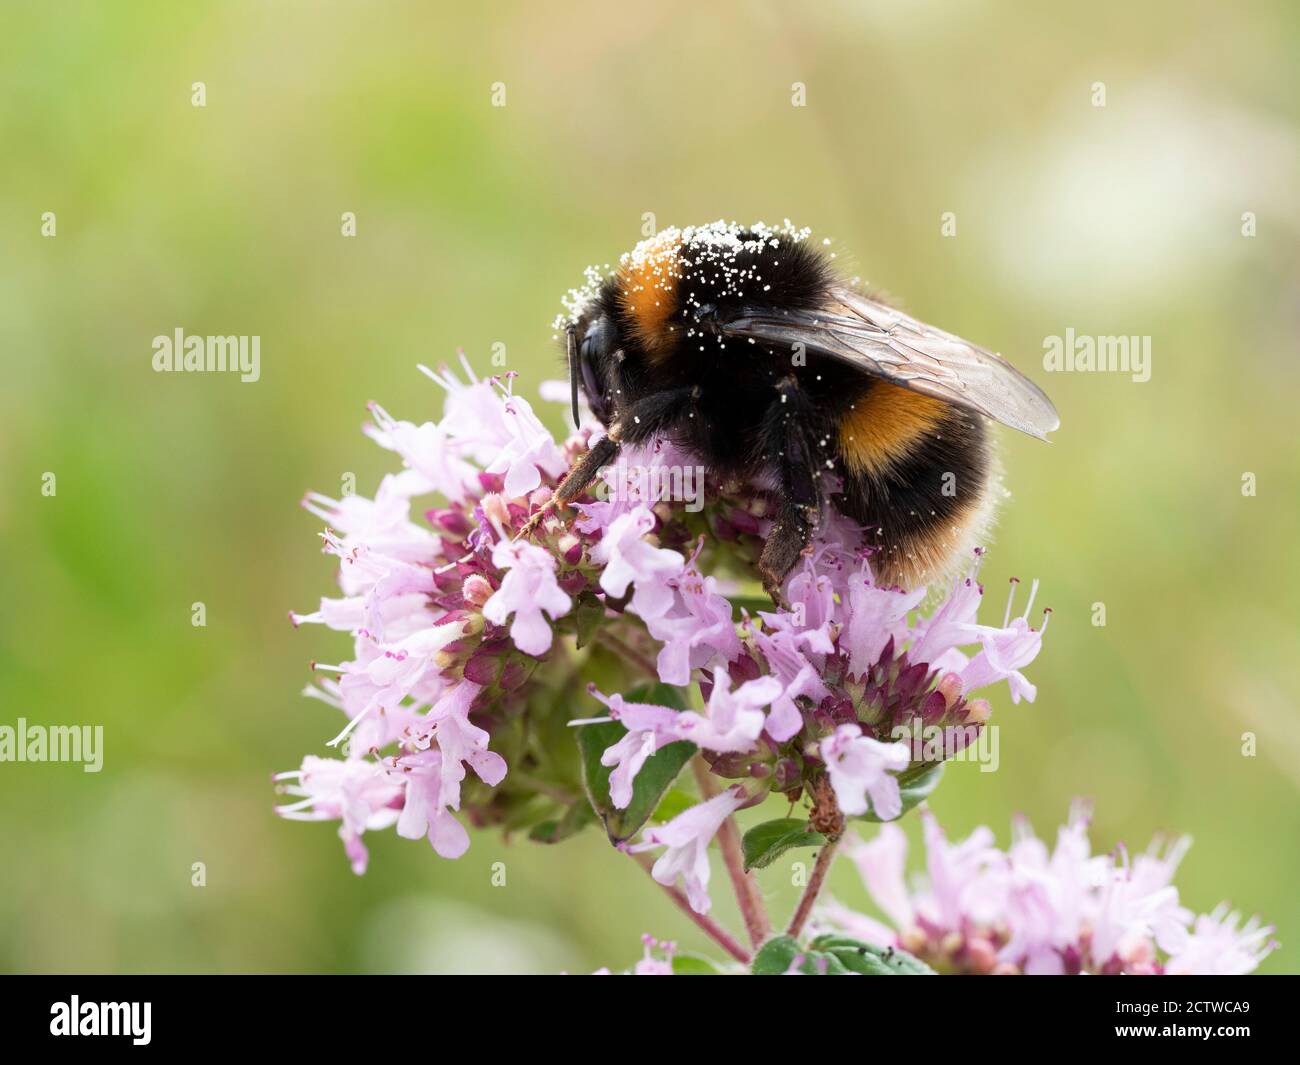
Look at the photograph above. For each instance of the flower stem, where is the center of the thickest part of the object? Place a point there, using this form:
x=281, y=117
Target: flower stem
x=707, y=924
x=748, y=895
x=814, y=887
x=626, y=650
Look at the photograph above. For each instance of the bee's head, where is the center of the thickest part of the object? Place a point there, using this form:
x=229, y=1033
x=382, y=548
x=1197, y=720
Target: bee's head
x=591, y=342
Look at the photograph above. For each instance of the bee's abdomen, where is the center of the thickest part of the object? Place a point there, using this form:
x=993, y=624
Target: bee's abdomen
x=916, y=473
x=886, y=424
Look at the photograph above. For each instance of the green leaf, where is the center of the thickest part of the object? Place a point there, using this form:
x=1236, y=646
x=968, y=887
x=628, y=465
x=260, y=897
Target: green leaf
x=688, y=964
x=914, y=785
x=658, y=694
x=674, y=802
x=753, y=603
x=577, y=817
x=764, y=843
x=524, y=812
x=652, y=782
x=775, y=956
x=587, y=616
x=869, y=959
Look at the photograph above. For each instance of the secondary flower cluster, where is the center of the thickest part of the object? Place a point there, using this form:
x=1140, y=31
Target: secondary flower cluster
x=1033, y=910
x=466, y=639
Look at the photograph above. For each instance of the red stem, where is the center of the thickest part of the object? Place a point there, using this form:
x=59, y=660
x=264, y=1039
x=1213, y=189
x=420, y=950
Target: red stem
x=813, y=888
x=707, y=924
x=620, y=646
x=748, y=894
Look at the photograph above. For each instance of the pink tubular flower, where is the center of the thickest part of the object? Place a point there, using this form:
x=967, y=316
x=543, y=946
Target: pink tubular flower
x=358, y=793
x=648, y=727
x=425, y=813
x=528, y=589
x=434, y=776
x=859, y=767
x=453, y=613
x=875, y=617
x=687, y=837
x=382, y=677
x=734, y=719
x=484, y=421
x=696, y=630
x=798, y=676
x=462, y=741
x=1006, y=651
x=629, y=560
x=732, y=722
x=1217, y=947
x=1047, y=892
x=374, y=732
x=967, y=878
x=952, y=624
x=1134, y=910
x=468, y=641
x=811, y=616
x=649, y=965
x=882, y=864
x=427, y=453
x=529, y=450
x=382, y=525
x=1034, y=911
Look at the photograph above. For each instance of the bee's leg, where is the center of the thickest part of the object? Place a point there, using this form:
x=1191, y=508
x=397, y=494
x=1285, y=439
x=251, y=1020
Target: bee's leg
x=652, y=414
x=635, y=424
x=789, y=429
x=789, y=537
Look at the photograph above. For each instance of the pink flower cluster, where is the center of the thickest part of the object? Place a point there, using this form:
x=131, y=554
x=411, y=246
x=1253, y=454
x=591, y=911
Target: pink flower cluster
x=450, y=614
x=650, y=965
x=1035, y=910
x=468, y=640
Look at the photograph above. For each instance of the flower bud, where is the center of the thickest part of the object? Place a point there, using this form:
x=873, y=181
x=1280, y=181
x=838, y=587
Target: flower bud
x=477, y=589
x=496, y=509
x=453, y=521
x=570, y=549
x=982, y=956
x=949, y=687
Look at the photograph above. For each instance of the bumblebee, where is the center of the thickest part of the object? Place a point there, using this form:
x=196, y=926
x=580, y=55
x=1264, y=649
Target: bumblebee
x=744, y=348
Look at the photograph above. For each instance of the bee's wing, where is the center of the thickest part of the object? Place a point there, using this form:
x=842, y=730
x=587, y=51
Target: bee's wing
x=885, y=342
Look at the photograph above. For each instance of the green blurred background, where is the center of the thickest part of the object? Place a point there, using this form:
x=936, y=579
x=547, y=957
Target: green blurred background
x=1122, y=219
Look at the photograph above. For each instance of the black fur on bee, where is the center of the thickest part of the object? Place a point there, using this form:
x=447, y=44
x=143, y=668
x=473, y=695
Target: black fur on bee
x=743, y=347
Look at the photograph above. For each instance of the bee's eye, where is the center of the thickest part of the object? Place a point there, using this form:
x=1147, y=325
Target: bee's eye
x=593, y=351
x=597, y=338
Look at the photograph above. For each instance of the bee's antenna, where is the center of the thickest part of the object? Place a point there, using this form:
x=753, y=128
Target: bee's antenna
x=571, y=345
